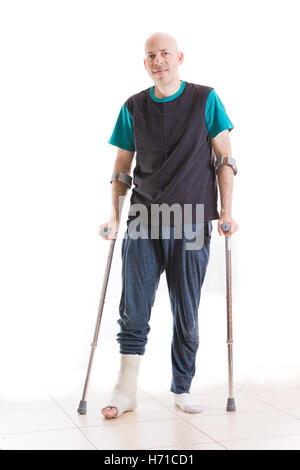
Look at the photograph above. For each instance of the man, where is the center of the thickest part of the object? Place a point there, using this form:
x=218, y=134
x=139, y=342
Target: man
x=176, y=128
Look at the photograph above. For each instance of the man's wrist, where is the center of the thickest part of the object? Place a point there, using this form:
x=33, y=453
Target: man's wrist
x=114, y=219
x=115, y=215
x=225, y=212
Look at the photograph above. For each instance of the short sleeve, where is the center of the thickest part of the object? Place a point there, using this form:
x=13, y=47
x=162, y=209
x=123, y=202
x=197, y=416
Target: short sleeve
x=123, y=135
x=216, y=117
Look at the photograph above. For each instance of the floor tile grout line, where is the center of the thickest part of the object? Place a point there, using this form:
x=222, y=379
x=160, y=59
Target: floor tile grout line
x=169, y=409
x=152, y=398
x=158, y=401
x=259, y=437
x=173, y=418
x=131, y=422
x=213, y=393
x=186, y=420
x=218, y=442
x=258, y=399
x=119, y=423
x=25, y=410
x=222, y=413
x=36, y=431
x=288, y=413
x=189, y=444
x=67, y=405
x=69, y=417
x=276, y=408
x=225, y=412
x=179, y=417
x=276, y=388
x=228, y=440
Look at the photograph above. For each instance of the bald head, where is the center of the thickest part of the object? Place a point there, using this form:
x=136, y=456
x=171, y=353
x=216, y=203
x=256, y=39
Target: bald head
x=162, y=59
x=160, y=41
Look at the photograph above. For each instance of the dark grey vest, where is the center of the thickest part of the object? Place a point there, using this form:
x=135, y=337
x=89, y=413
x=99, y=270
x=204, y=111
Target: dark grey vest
x=173, y=151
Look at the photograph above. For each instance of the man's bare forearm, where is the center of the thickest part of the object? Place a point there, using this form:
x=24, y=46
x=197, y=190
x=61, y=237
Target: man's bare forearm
x=122, y=164
x=225, y=182
x=119, y=191
x=225, y=176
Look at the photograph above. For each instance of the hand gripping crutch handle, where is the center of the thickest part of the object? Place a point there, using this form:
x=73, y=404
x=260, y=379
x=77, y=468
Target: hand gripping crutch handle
x=230, y=402
x=105, y=231
x=225, y=227
x=82, y=408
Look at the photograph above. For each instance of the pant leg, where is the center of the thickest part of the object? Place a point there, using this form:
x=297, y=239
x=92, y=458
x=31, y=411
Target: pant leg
x=185, y=273
x=141, y=269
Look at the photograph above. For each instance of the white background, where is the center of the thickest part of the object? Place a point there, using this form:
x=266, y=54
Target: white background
x=66, y=69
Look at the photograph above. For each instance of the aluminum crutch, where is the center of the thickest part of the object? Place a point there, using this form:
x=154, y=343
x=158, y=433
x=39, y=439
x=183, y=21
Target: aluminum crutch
x=82, y=409
x=230, y=402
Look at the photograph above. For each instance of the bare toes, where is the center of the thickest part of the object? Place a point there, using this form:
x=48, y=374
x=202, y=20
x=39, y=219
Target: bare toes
x=109, y=412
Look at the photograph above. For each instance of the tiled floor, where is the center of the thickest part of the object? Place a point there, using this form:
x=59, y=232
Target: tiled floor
x=267, y=417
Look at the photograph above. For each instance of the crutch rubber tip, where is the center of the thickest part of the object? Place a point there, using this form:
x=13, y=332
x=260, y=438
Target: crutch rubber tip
x=82, y=409
x=230, y=405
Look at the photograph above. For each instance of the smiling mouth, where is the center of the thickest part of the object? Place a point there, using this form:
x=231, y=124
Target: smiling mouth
x=159, y=71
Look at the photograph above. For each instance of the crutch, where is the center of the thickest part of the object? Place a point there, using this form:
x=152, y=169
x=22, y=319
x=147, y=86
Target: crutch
x=82, y=409
x=230, y=402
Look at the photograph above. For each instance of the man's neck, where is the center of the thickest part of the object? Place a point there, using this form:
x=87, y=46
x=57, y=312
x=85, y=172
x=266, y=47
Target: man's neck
x=163, y=91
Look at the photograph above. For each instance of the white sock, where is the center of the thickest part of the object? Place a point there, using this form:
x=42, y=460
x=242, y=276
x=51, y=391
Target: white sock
x=185, y=402
x=124, y=393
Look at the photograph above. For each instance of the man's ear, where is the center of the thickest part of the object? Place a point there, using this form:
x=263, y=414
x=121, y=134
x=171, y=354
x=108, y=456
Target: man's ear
x=180, y=57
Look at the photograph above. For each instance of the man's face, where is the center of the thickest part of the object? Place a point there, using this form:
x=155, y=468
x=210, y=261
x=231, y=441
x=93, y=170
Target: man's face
x=162, y=60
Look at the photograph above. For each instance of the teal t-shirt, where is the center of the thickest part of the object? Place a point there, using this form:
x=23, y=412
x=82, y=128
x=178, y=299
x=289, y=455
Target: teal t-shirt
x=216, y=119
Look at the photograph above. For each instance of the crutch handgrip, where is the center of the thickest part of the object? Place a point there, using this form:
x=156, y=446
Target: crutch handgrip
x=106, y=231
x=225, y=227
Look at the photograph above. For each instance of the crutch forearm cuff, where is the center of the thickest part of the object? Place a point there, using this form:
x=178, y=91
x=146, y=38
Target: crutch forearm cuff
x=226, y=161
x=123, y=177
